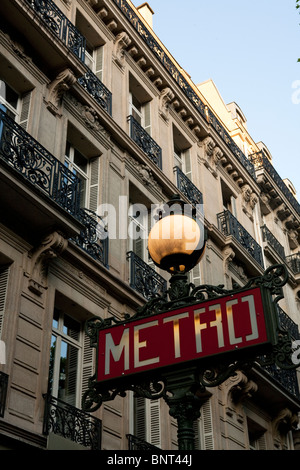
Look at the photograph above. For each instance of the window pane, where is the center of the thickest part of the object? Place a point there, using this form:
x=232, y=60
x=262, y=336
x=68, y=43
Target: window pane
x=71, y=327
x=80, y=161
x=68, y=373
x=51, y=365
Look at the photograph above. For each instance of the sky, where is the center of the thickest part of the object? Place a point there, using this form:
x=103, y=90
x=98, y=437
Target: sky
x=250, y=50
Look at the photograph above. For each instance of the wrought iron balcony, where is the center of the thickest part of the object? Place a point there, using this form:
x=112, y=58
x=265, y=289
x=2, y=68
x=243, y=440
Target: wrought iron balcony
x=294, y=262
x=97, y=90
x=3, y=392
x=60, y=26
x=36, y=165
x=260, y=161
x=135, y=443
x=145, y=141
x=71, y=423
x=93, y=238
x=188, y=188
x=274, y=243
x=182, y=82
x=144, y=279
x=229, y=225
x=287, y=378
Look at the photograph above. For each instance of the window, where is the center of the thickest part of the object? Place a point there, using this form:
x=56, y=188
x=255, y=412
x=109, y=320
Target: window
x=147, y=424
x=182, y=153
x=78, y=164
x=138, y=230
x=13, y=104
x=94, y=60
x=203, y=427
x=65, y=358
x=139, y=104
x=229, y=200
x=256, y=434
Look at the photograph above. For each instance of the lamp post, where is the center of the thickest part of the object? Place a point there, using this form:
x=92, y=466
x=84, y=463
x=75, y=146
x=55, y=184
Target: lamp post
x=192, y=338
x=176, y=244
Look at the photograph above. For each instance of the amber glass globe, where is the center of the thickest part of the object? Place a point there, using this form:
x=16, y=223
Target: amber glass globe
x=176, y=243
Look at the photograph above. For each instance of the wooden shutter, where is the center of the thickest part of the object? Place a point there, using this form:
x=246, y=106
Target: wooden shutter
x=187, y=164
x=87, y=363
x=4, y=271
x=94, y=183
x=207, y=442
x=99, y=63
x=153, y=426
x=147, y=117
x=25, y=106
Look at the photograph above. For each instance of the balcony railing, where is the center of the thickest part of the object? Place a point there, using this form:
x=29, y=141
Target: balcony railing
x=260, y=160
x=185, y=185
x=135, y=443
x=287, y=378
x=60, y=26
x=229, y=225
x=35, y=164
x=97, y=90
x=93, y=238
x=145, y=141
x=144, y=279
x=71, y=423
x=182, y=82
x=273, y=242
x=294, y=262
x=3, y=392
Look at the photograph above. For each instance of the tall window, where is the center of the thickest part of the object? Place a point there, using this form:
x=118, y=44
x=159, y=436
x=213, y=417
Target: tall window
x=78, y=164
x=94, y=60
x=13, y=104
x=65, y=358
x=229, y=200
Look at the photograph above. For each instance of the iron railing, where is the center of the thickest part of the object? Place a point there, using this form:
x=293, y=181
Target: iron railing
x=93, y=238
x=71, y=423
x=185, y=185
x=3, y=392
x=293, y=262
x=272, y=241
x=91, y=83
x=182, y=82
x=144, y=279
x=35, y=164
x=229, y=225
x=60, y=26
x=145, y=141
x=287, y=378
x=260, y=160
x=135, y=443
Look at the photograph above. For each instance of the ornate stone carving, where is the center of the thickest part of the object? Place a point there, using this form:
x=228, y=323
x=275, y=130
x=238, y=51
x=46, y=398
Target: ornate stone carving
x=62, y=83
x=122, y=41
x=250, y=200
x=284, y=422
x=166, y=96
x=237, y=389
x=51, y=246
x=144, y=174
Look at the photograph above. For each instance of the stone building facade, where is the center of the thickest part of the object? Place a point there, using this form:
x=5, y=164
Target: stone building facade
x=96, y=114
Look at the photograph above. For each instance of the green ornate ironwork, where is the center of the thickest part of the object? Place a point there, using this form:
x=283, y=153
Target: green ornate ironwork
x=185, y=388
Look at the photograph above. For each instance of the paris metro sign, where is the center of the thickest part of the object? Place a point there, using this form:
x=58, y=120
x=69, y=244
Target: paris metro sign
x=235, y=323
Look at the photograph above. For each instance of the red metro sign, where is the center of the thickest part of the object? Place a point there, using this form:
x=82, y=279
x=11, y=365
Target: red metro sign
x=229, y=323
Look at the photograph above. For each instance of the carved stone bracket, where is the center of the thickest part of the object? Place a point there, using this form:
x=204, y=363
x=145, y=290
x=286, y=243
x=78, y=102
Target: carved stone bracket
x=121, y=43
x=56, y=89
x=51, y=246
x=166, y=97
x=237, y=389
x=284, y=422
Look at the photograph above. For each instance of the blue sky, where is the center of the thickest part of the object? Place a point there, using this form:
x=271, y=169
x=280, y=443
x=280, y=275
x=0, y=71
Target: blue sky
x=250, y=50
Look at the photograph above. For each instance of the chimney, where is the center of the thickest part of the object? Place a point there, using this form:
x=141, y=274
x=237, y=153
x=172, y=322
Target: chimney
x=147, y=13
